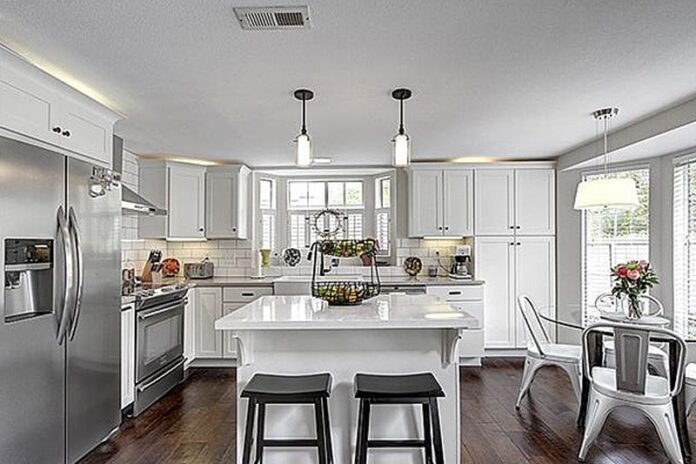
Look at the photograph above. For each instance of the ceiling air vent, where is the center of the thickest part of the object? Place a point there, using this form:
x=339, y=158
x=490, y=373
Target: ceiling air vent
x=273, y=17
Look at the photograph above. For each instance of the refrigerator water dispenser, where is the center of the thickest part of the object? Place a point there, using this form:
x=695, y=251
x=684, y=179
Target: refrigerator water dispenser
x=28, y=278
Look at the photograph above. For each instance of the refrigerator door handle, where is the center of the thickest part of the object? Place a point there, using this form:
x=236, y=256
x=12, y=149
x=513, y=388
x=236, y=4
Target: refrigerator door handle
x=69, y=275
x=77, y=245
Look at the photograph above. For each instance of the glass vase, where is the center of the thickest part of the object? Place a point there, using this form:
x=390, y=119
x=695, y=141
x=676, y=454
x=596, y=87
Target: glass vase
x=632, y=306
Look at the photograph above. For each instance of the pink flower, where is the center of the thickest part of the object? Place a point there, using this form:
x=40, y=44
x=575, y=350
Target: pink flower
x=633, y=274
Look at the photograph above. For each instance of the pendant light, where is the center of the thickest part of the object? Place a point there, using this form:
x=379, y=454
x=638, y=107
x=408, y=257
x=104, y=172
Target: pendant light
x=304, y=144
x=402, y=144
x=606, y=192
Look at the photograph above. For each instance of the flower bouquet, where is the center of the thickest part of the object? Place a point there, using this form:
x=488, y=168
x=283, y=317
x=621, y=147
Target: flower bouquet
x=632, y=280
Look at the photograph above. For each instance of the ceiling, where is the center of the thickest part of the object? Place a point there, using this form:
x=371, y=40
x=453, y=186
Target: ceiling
x=491, y=78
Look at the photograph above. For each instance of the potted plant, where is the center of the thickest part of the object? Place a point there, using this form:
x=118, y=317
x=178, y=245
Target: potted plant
x=632, y=280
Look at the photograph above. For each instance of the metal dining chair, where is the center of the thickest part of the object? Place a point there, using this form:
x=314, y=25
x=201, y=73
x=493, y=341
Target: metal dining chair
x=657, y=357
x=541, y=351
x=630, y=384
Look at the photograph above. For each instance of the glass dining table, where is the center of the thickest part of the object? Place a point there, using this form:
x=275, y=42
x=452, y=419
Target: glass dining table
x=567, y=321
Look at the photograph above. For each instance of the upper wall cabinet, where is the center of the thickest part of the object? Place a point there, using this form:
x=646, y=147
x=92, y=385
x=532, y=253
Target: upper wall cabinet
x=515, y=201
x=227, y=209
x=441, y=202
x=41, y=108
x=180, y=188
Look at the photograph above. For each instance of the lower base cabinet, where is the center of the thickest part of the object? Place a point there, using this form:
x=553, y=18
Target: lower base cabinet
x=513, y=266
x=127, y=355
x=467, y=298
x=207, y=305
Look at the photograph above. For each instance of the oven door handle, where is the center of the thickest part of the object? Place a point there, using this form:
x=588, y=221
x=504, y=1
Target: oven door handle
x=142, y=388
x=156, y=312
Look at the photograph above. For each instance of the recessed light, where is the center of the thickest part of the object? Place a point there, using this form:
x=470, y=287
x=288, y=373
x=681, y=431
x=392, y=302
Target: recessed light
x=322, y=161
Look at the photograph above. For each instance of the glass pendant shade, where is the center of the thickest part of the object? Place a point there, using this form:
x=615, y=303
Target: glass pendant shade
x=402, y=150
x=606, y=193
x=304, y=150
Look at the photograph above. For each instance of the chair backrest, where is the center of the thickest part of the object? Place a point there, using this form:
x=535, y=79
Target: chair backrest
x=631, y=342
x=652, y=305
x=535, y=328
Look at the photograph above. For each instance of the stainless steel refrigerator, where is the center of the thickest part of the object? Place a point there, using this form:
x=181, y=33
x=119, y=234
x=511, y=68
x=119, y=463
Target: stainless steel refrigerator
x=60, y=307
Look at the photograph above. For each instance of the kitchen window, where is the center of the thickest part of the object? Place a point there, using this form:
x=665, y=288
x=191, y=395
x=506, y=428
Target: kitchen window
x=267, y=208
x=307, y=198
x=610, y=237
x=383, y=214
x=684, y=217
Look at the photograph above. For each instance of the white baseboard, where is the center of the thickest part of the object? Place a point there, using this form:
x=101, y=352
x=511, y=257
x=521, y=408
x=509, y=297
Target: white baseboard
x=470, y=362
x=213, y=362
x=505, y=352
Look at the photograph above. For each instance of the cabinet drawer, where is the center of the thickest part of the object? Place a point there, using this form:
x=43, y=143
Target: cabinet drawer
x=457, y=292
x=244, y=295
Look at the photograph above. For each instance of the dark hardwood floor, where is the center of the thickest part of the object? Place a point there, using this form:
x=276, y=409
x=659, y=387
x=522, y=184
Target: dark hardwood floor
x=195, y=423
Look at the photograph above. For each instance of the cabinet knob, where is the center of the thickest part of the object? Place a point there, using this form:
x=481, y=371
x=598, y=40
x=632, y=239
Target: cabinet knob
x=234, y=229
x=512, y=227
x=512, y=243
x=446, y=227
x=201, y=229
x=66, y=133
x=439, y=228
x=57, y=129
x=517, y=227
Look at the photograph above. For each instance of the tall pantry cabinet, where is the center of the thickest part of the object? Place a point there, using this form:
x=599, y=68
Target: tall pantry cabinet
x=515, y=247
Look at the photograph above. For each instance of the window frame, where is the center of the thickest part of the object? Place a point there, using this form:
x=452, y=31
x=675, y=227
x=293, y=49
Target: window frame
x=682, y=241
x=585, y=304
x=272, y=212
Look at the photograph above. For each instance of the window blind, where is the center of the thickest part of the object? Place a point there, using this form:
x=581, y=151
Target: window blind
x=611, y=237
x=684, y=240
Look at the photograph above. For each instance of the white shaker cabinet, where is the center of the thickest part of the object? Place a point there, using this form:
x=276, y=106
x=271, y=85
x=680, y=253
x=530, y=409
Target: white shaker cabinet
x=208, y=341
x=180, y=189
x=35, y=105
x=511, y=267
x=535, y=276
x=190, y=325
x=227, y=198
x=518, y=201
x=127, y=356
x=535, y=202
x=425, y=205
x=495, y=264
x=441, y=202
x=494, y=201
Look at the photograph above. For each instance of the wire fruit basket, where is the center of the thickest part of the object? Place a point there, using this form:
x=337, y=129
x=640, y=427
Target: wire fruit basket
x=344, y=292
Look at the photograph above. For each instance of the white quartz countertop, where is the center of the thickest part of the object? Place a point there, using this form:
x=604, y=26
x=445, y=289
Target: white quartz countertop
x=382, y=312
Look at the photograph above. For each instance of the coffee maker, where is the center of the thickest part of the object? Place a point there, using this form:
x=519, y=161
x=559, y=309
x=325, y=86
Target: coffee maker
x=462, y=260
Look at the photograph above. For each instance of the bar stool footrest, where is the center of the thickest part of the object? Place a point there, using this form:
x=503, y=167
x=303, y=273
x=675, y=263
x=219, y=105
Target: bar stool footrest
x=290, y=442
x=396, y=443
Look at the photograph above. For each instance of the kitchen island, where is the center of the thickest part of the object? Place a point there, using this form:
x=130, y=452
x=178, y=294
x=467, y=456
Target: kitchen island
x=390, y=334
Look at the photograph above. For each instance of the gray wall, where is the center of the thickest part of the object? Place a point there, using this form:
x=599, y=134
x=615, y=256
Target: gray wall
x=569, y=236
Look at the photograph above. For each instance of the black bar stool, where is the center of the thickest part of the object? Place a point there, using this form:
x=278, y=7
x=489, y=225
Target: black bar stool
x=399, y=389
x=265, y=389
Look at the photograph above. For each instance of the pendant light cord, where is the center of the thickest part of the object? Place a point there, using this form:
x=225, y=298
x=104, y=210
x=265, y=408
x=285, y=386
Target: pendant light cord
x=401, y=116
x=606, y=156
x=304, y=126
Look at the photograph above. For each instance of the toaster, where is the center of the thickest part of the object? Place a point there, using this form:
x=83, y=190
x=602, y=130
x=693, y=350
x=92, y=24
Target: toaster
x=203, y=270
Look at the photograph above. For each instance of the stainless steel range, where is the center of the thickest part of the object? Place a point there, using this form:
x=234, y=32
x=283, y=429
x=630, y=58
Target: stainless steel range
x=159, y=342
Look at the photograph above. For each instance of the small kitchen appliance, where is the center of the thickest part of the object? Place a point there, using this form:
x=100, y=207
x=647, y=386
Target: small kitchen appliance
x=460, y=268
x=203, y=270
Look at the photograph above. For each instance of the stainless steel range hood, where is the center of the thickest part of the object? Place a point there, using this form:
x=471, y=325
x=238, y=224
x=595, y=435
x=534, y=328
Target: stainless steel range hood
x=132, y=202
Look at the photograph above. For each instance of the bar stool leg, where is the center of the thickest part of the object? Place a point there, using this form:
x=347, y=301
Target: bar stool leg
x=260, y=433
x=427, y=434
x=437, y=435
x=321, y=431
x=363, y=432
x=249, y=432
x=327, y=427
